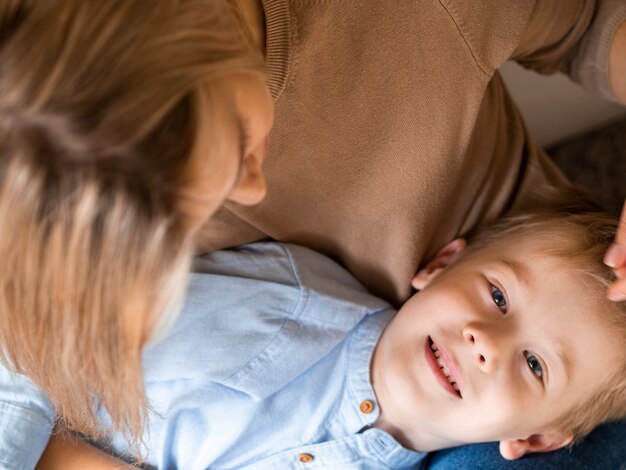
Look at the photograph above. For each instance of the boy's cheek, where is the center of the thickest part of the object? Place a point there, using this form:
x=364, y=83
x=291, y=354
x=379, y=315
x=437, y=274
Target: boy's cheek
x=496, y=413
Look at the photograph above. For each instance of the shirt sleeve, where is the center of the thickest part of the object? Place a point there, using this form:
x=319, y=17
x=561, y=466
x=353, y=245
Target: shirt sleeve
x=26, y=421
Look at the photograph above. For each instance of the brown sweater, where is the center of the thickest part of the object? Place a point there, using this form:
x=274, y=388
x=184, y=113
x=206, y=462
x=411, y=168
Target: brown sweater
x=394, y=132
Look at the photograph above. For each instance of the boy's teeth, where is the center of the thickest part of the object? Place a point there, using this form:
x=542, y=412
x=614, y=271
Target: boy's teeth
x=443, y=368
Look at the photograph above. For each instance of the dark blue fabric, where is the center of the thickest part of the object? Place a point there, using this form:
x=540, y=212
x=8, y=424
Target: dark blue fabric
x=604, y=449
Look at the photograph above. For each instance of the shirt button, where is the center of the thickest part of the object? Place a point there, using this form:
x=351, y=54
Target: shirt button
x=366, y=406
x=305, y=458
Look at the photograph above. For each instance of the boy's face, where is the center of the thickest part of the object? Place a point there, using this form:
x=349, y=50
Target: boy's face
x=518, y=333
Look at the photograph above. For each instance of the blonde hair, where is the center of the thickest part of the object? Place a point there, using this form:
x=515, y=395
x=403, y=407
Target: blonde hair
x=97, y=121
x=580, y=234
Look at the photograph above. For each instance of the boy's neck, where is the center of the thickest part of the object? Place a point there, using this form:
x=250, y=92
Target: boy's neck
x=420, y=442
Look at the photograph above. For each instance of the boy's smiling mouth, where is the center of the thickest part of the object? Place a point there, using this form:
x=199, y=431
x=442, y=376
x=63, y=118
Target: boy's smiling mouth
x=442, y=368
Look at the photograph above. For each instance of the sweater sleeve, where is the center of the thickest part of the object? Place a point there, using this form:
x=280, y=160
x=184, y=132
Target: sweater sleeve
x=553, y=33
x=539, y=34
x=547, y=36
x=590, y=62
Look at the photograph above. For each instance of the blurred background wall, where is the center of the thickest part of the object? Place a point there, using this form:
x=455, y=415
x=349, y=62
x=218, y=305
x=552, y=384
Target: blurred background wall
x=556, y=109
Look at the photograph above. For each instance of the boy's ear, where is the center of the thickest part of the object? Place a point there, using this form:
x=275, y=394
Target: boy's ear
x=441, y=260
x=514, y=449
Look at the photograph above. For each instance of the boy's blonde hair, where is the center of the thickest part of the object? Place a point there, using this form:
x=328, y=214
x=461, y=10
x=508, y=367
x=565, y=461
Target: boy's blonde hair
x=578, y=233
x=97, y=121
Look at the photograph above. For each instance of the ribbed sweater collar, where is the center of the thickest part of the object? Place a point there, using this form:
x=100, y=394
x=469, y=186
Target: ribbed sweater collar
x=278, y=41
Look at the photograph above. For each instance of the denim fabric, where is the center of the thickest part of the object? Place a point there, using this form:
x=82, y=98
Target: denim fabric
x=603, y=449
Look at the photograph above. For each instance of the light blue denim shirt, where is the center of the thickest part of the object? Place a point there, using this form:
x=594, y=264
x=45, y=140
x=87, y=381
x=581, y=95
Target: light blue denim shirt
x=268, y=362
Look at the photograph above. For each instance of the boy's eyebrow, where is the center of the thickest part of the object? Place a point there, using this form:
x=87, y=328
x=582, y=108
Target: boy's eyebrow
x=567, y=365
x=520, y=271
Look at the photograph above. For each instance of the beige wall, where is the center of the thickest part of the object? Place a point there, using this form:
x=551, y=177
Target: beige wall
x=554, y=107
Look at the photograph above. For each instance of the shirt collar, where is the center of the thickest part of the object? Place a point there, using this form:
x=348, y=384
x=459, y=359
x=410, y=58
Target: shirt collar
x=360, y=392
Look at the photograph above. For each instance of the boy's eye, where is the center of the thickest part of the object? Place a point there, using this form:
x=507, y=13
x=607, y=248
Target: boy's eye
x=499, y=299
x=534, y=364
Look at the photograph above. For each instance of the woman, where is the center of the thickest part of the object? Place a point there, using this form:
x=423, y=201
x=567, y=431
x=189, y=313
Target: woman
x=131, y=122
x=120, y=133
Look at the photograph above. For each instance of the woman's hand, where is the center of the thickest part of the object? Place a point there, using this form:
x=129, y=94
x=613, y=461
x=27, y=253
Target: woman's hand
x=616, y=258
x=67, y=451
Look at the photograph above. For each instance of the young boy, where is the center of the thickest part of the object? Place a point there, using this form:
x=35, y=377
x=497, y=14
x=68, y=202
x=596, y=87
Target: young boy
x=281, y=359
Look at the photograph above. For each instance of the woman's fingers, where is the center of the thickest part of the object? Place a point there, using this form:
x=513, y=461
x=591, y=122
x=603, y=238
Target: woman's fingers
x=616, y=258
x=617, y=291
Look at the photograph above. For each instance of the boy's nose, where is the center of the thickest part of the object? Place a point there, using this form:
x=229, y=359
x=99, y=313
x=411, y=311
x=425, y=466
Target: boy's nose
x=485, y=343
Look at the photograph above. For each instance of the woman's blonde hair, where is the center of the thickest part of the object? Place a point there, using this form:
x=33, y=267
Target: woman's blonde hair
x=97, y=121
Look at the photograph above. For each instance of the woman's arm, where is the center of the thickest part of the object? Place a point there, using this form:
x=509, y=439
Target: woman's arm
x=68, y=452
x=616, y=258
